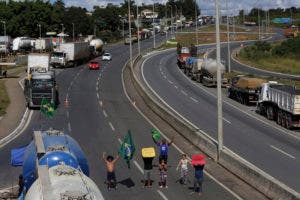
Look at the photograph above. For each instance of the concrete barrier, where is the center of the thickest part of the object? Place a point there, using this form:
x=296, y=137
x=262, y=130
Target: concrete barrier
x=260, y=180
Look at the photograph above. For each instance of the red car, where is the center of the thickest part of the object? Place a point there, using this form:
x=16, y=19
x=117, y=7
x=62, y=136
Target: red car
x=94, y=65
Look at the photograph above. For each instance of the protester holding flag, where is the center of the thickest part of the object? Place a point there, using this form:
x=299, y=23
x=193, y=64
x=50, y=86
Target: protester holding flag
x=127, y=148
x=110, y=164
x=163, y=146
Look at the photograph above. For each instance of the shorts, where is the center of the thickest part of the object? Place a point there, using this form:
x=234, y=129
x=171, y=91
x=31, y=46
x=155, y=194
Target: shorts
x=163, y=157
x=111, y=176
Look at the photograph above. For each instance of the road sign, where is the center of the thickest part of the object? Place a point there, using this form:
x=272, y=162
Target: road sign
x=50, y=33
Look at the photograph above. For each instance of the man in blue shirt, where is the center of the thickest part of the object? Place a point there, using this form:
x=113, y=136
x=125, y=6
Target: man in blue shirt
x=163, y=146
x=198, y=179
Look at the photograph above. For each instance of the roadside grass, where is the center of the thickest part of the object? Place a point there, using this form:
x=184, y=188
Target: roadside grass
x=4, y=99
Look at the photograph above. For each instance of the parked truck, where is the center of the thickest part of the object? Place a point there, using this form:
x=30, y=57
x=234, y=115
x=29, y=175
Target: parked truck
x=291, y=32
x=182, y=54
x=43, y=44
x=208, y=73
x=71, y=54
x=280, y=103
x=244, y=89
x=55, y=167
x=38, y=61
x=40, y=85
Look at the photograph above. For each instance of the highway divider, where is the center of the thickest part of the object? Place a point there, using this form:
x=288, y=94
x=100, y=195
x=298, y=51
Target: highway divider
x=260, y=180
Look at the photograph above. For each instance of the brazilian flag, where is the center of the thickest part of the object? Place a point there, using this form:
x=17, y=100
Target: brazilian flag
x=127, y=148
x=47, y=108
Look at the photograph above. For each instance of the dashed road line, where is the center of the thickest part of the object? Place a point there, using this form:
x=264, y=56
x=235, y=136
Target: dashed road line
x=111, y=126
x=183, y=92
x=226, y=120
x=193, y=99
x=104, y=113
x=97, y=88
x=97, y=95
x=176, y=86
x=165, y=77
x=170, y=82
x=138, y=166
x=120, y=141
x=283, y=152
x=162, y=195
x=100, y=103
x=69, y=127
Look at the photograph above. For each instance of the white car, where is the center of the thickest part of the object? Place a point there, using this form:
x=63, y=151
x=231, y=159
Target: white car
x=106, y=56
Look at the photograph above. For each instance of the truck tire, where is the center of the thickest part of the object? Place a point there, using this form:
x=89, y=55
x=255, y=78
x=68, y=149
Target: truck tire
x=288, y=121
x=279, y=118
x=270, y=113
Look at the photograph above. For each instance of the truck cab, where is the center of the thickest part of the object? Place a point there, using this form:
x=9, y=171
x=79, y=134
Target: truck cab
x=58, y=58
x=39, y=86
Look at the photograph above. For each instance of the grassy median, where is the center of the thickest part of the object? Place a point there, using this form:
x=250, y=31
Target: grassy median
x=4, y=99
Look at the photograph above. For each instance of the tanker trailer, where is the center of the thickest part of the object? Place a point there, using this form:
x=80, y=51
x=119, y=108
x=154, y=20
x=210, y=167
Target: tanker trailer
x=208, y=73
x=52, y=148
x=97, y=46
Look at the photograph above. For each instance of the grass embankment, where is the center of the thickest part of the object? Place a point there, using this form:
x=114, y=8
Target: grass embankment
x=204, y=38
x=4, y=99
x=283, y=56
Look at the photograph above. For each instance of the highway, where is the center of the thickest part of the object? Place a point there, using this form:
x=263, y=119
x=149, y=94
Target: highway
x=263, y=143
x=98, y=117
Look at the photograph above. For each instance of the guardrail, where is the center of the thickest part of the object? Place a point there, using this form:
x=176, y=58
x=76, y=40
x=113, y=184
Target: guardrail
x=260, y=180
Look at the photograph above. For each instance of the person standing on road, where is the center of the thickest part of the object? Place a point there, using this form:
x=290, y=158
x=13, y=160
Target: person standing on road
x=111, y=176
x=163, y=174
x=183, y=164
x=163, y=146
x=198, y=161
x=148, y=154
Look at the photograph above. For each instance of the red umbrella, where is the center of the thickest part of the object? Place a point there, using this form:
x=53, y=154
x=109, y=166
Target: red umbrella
x=198, y=159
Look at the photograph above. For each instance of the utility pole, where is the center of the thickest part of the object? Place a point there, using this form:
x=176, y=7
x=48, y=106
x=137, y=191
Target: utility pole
x=219, y=92
x=258, y=20
x=138, y=28
x=40, y=30
x=153, y=25
x=129, y=26
x=73, y=32
x=228, y=40
x=171, y=21
x=196, y=18
x=4, y=27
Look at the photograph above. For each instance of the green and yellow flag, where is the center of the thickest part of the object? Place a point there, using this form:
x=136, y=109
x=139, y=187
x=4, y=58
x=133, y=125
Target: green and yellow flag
x=47, y=108
x=127, y=148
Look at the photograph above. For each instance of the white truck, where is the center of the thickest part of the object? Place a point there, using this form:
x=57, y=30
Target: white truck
x=280, y=103
x=71, y=54
x=43, y=44
x=208, y=73
x=38, y=62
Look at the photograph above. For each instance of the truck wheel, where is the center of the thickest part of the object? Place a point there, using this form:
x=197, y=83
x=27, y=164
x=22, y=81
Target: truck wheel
x=283, y=121
x=279, y=118
x=270, y=113
x=288, y=122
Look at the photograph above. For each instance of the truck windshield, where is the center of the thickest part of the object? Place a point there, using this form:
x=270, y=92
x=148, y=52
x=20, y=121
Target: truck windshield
x=42, y=83
x=57, y=54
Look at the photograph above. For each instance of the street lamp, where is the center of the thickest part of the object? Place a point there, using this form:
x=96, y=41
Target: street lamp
x=40, y=31
x=129, y=25
x=153, y=25
x=219, y=92
x=228, y=40
x=4, y=27
x=138, y=28
x=73, y=32
x=171, y=21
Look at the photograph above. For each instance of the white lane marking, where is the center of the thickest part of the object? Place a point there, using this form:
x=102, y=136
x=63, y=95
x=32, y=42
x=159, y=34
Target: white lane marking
x=104, y=113
x=97, y=95
x=97, y=83
x=176, y=86
x=170, y=82
x=283, y=152
x=100, y=103
x=162, y=195
x=165, y=77
x=138, y=166
x=20, y=83
x=195, y=100
x=183, y=92
x=142, y=114
x=111, y=126
x=120, y=141
x=226, y=120
x=97, y=88
x=69, y=127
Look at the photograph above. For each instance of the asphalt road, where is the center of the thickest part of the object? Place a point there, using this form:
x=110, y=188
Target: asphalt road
x=263, y=143
x=98, y=117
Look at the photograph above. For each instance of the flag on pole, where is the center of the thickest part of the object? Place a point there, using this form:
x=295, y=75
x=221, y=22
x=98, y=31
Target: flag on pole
x=127, y=148
x=47, y=108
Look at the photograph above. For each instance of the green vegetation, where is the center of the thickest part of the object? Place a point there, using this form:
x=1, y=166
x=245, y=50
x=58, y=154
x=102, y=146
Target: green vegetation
x=4, y=100
x=283, y=57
